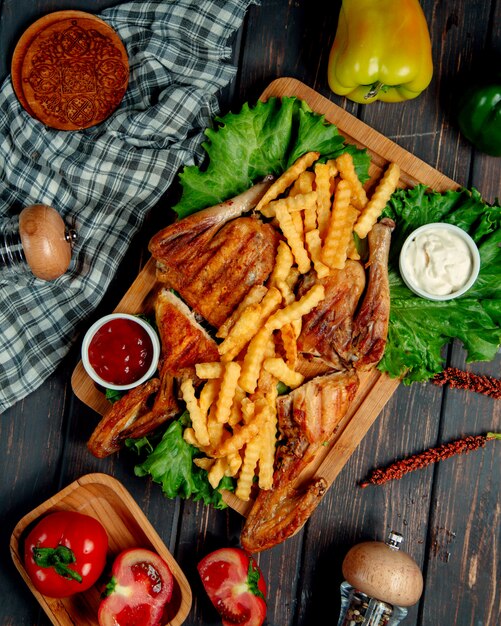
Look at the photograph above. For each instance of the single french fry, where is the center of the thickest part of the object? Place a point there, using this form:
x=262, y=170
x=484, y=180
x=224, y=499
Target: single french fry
x=287, y=178
x=241, y=332
x=293, y=239
x=208, y=394
x=279, y=368
x=227, y=391
x=377, y=203
x=204, y=462
x=297, y=220
x=198, y=420
x=344, y=163
x=310, y=218
x=335, y=256
x=216, y=472
x=209, y=370
x=323, y=187
x=314, y=245
x=254, y=296
x=283, y=263
x=292, y=204
x=333, y=168
x=297, y=309
x=248, y=469
x=253, y=360
x=267, y=452
x=340, y=217
x=190, y=437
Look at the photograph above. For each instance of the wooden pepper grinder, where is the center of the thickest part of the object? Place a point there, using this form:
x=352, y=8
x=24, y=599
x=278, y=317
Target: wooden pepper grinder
x=380, y=583
x=37, y=238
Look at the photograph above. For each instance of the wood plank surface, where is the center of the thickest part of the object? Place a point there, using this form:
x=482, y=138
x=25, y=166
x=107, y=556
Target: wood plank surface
x=449, y=513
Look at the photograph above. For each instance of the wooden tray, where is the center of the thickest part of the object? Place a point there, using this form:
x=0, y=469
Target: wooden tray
x=106, y=499
x=376, y=388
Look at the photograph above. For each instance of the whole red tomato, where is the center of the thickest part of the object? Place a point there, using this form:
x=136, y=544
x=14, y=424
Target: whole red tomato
x=65, y=553
x=235, y=585
x=140, y=587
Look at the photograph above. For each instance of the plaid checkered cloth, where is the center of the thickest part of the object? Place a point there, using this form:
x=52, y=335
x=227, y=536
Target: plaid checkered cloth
x=106, y=178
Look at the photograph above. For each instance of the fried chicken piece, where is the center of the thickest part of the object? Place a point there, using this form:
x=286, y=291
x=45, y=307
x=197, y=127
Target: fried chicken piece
x=308, y=417
x=370, y=328
x=165, y=406
x=184, y=341
x=327, y=330
x=212, y=259
x=108, y=435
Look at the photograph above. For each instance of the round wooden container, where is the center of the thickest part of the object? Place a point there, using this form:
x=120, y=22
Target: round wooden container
x=70, y=70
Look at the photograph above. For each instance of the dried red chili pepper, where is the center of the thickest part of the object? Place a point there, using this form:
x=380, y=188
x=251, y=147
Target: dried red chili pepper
x=480, y=383
x=399, y=468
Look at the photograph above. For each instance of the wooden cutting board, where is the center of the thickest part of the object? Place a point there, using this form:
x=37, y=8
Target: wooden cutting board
x=375, y=388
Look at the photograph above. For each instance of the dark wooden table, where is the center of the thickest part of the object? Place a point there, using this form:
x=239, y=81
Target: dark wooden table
x=449, y=513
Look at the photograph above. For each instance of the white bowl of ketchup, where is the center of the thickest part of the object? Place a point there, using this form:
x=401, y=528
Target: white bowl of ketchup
x=120, y=351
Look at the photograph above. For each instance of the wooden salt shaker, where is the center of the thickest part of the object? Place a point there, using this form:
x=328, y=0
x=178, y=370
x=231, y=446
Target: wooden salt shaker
x=38, y=238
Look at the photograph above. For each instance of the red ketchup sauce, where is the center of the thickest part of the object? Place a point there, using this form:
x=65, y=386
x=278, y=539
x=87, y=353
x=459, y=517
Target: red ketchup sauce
x=120, y=352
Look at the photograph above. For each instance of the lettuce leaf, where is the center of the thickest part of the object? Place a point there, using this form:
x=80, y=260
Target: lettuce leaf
x=420, y=328
x=267, y=138
x=170, y=463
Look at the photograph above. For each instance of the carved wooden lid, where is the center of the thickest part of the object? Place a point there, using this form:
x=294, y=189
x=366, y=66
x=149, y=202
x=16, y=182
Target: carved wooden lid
x=70, y=70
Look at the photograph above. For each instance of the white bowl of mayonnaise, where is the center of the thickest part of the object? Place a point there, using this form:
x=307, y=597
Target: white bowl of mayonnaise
x=439, y=261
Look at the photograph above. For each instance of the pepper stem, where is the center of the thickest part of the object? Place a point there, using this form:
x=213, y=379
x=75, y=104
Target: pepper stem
x=59, y=558
x=375, y=88
x=493, y=436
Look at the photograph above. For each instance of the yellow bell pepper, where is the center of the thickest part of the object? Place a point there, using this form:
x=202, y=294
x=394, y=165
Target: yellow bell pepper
x=381, y=51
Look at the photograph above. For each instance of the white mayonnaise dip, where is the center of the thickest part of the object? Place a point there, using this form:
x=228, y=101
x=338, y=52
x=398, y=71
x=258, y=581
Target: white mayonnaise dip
x=438, y=261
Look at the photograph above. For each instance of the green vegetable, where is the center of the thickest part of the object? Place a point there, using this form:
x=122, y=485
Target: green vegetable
x=265, y=139
x=171, y=465
x=479, y=116
x=420, y=328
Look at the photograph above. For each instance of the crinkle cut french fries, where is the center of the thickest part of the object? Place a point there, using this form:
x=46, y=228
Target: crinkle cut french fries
x=317, y=207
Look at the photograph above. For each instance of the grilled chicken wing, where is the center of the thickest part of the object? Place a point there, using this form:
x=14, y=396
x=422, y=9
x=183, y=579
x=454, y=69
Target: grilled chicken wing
x=184, y=341
x=108, y=436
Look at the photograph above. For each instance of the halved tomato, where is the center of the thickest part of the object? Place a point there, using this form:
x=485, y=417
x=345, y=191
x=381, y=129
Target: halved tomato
x=235, y=585
x=140, y=587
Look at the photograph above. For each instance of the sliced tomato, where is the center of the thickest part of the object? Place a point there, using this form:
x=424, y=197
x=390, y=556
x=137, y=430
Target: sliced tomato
x=235, y=585
x=140, y=587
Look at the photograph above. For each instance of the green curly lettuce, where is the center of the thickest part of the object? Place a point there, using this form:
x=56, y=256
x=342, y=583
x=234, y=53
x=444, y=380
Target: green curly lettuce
x=170, y=464
x=242, y=148
x=419, y=328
